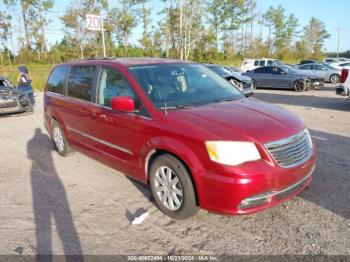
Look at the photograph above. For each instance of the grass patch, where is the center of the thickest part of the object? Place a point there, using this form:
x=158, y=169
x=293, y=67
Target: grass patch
x=38, y=72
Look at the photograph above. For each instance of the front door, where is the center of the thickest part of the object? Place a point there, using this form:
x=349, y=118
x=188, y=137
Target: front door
x=115, y=134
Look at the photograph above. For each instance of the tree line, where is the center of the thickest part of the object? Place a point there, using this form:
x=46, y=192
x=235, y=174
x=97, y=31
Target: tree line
x=211, y=30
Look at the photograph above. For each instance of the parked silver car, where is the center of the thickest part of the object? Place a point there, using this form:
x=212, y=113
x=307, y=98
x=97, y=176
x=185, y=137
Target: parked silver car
x=329, y=73
x=283, y=77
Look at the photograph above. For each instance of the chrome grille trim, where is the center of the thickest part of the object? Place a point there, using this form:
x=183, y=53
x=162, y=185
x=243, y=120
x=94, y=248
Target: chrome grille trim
x=291, y=151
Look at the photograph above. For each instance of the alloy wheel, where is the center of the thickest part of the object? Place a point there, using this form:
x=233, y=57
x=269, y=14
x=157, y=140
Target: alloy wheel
x=335, y=79
x=168, y=188
x=58, y=138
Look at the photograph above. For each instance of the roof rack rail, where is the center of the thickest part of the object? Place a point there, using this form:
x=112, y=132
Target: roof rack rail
x=100, y=58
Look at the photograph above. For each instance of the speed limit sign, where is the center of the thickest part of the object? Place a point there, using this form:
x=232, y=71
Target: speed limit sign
x=94, y=22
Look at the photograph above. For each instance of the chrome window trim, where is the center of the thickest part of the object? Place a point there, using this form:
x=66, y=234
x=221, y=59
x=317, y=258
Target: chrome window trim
x=127, y=151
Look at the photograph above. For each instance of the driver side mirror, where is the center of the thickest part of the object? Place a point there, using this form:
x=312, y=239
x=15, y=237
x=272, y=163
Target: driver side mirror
x=123, y=104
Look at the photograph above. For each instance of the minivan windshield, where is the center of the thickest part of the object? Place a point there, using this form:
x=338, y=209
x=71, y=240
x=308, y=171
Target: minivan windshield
x=183, y=85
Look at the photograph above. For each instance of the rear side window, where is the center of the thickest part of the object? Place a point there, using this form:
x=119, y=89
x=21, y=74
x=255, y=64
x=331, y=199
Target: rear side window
x=263, y=70
x=80, y=82
x=256, y=62
x=262, y=63
x=57, y=79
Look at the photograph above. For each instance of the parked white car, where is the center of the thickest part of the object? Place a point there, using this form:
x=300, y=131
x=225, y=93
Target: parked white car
x=336, y=60
x=344, y=88
x=251, y=64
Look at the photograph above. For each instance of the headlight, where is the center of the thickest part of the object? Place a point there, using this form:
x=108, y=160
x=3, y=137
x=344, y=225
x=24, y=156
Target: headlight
x=232, y=153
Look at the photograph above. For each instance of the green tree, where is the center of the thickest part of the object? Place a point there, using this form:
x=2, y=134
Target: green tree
x=74, y=19
x=216, y=11
x=315, y=34
x=124, y=20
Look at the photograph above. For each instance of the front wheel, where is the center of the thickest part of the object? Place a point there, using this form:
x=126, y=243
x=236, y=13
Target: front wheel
x=298, y=86
x=335, y=79
x=172, y=187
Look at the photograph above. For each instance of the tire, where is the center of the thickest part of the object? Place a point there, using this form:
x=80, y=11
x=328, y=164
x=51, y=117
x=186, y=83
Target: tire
x=254, y=84
x=298, y=86
x=168, y=169
x=59, y=139
x=334, y=79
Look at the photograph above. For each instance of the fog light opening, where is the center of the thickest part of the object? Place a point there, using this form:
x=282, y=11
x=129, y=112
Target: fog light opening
x=256, y=200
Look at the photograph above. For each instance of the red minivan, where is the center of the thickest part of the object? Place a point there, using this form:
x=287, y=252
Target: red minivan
x=180, y=128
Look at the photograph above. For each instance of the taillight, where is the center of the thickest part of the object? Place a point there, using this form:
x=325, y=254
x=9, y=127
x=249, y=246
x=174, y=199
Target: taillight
x=344, y=75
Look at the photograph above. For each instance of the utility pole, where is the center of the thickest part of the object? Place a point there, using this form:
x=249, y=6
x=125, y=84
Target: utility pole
x=338, y=30
x=181, y=31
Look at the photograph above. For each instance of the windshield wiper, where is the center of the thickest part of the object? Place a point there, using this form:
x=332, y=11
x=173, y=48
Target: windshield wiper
x=225, y=100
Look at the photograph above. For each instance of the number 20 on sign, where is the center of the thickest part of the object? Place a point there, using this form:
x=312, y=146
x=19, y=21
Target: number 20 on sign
x=95, y=23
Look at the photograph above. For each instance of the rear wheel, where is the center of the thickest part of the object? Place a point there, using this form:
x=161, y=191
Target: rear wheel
x=334, y=79
x=59, y=139
x=172, y=187
x=298, y=86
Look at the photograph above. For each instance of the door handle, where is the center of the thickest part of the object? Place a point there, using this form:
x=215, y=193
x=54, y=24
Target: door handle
x=99, y=115
x=84, y=112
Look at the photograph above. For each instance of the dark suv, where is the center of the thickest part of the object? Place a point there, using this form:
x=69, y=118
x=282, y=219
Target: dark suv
x=182, y=129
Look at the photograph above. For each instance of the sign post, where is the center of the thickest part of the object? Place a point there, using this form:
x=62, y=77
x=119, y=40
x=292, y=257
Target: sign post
x=95, y=23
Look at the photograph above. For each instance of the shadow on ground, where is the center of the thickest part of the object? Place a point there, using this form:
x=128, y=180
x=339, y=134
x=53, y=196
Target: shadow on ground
x=50, y=203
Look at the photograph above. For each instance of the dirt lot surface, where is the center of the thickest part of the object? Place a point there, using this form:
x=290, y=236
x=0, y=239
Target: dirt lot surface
x=76, y=205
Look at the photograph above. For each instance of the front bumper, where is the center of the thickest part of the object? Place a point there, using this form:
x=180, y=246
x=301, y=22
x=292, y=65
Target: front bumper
x=260, y=183
x=317, y=82
x=14, y=107
x=246, y=88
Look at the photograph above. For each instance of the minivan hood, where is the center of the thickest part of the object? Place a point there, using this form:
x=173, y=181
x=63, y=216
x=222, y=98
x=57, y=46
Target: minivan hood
x=240, y=120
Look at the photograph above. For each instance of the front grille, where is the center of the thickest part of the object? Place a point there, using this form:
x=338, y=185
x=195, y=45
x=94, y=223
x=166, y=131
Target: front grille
x=291, y=151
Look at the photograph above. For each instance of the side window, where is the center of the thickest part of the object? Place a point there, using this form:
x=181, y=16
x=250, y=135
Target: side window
x=277, y=71
x=56, y=81
x=274, y=70
x=270, y=62
x=305, y=67
x=261, y=70
x=112, y=83
x=262, y=63
x=80, y=82
x=256, y=62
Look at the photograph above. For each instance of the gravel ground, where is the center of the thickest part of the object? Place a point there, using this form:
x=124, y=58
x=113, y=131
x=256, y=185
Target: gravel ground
x=76, y=205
